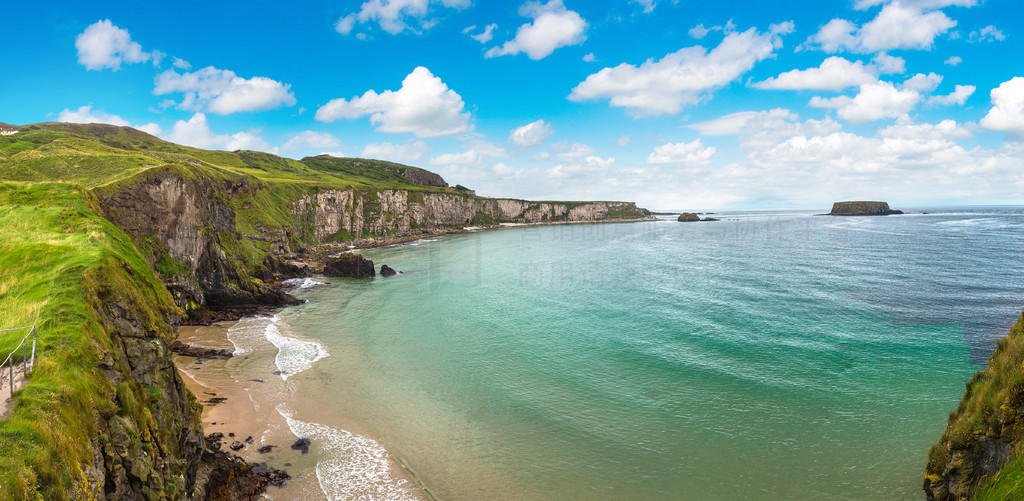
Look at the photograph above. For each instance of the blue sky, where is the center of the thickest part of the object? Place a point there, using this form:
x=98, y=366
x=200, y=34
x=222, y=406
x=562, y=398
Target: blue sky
x=673, y=104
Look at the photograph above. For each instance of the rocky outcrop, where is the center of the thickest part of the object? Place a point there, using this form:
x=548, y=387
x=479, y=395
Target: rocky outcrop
x=387, y=271
x=862, y=209
x=688, y=217
x=349, y=265
x=984, y=430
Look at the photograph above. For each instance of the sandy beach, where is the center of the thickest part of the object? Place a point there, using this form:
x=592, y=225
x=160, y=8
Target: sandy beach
x=241, y=399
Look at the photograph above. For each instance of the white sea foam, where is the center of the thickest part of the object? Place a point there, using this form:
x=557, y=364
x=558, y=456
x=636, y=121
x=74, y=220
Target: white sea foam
x=294, y=355
x=354, y=467
x=248, y=333
x=302, y=283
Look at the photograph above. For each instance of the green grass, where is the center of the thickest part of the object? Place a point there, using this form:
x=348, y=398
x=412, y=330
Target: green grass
x=58, y=261
x=993, y=395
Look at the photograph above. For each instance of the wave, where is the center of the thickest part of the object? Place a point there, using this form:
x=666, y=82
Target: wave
x=299, y=284
x=356, y=467
x=294, y=355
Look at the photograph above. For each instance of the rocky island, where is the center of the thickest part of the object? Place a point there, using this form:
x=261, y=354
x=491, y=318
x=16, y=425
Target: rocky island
x=862, y=209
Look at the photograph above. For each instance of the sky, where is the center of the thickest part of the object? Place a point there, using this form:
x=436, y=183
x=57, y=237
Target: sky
x=673, y=104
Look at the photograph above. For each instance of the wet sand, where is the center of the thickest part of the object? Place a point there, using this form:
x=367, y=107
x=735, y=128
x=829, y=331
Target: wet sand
x=251, y=395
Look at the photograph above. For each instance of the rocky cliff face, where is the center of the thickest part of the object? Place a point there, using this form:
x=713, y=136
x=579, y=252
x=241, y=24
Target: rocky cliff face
x=350, y=213
x=984, y=431
x=862, y=209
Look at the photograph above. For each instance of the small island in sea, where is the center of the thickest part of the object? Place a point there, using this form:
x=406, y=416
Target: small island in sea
x=859, y=208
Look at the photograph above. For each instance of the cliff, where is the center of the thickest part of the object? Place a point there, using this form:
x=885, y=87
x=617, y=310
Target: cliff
x=862, y=209
x=112, y=237
x=977, y=454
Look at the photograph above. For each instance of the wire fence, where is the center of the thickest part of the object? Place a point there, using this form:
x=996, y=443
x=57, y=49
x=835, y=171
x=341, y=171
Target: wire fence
x=26, y=360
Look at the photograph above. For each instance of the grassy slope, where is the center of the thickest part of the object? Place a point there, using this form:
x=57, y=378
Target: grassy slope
x=994, y=394
x=57, y=258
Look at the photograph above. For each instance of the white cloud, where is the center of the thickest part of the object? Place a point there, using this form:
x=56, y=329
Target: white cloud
x=553, y=26
x=1007, y=113
x=396, y=152
x=531, y=134
x=923, y=83
x=874, y=101
x=484, y=36
x=311, y=139
x=395, y=16
x=834, y=73
x=954, y=60
x=761, y=129
x=196, y=132
x=889, y=65
x=681, y=78
x=987, y=34
x=624, y=141
x=917, y=4
x=580, y=168
x=103, y=45
x=222, y=92
x=699, y=31
x=957, y=97
x=648, y=5
x=181, y=63
x=424, y=106
x=574, y=150
x=589, y=58
x=86, y=115
x=944, y=130
x=897, y=26
x=693, y=152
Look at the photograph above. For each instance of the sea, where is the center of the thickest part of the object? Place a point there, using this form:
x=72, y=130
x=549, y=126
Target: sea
x=767, y=355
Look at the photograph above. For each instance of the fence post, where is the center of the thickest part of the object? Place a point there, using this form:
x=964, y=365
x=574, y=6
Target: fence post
x=11, y=367
x=24, y=359
x=33, y=347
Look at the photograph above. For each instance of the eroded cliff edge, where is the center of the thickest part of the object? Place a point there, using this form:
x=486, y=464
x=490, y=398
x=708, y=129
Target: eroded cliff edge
x=979, y=452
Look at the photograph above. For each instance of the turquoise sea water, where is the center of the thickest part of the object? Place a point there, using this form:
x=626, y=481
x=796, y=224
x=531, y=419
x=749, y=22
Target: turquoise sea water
x=769, y=355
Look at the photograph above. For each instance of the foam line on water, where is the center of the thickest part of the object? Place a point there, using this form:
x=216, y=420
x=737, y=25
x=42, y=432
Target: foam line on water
x=302, y=283
x=294, y=355
x=353, y=467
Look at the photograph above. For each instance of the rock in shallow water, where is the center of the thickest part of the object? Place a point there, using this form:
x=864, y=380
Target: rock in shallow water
x=387, y=271
x=349, y=265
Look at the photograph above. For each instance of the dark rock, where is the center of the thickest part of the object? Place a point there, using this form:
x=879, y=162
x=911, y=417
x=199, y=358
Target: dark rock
x=273, y=476
x=232, y=434
x=256, y=380
x=862, y=209
x=301, y=444
x=249, y=440
x=214, y=401
x=688, y=217
x=349, y=265
x=199, y=351
x=236, y=446
x=387, y=271
x=711, y=219
x=280, y=373
x=265, y=449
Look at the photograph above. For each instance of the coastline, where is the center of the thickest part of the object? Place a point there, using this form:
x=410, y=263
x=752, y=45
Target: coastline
x=243, y=403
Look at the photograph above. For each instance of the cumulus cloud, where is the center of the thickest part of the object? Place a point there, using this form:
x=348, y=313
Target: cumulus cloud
x=875, y=101
x=761, y=129
x=917, y=4
x=396, y=152
x=311, y=139
x=553, y=26
x=589, y=58
x=574, y=150
x=580, y=168
x=87, y=115
x=196, y=132
x=681, y=78
x=531, y=134
x=1007, y=113
x=897, y=26
x=944, y=130
x=103, y=45
x=484, y=36
x=395, y=16
x=954, y=60
x=693, y=152
x=834, y=73
x=424, y=106
x=957, y=97
x=223, y=92
x=987, y=34
x=181, y=64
